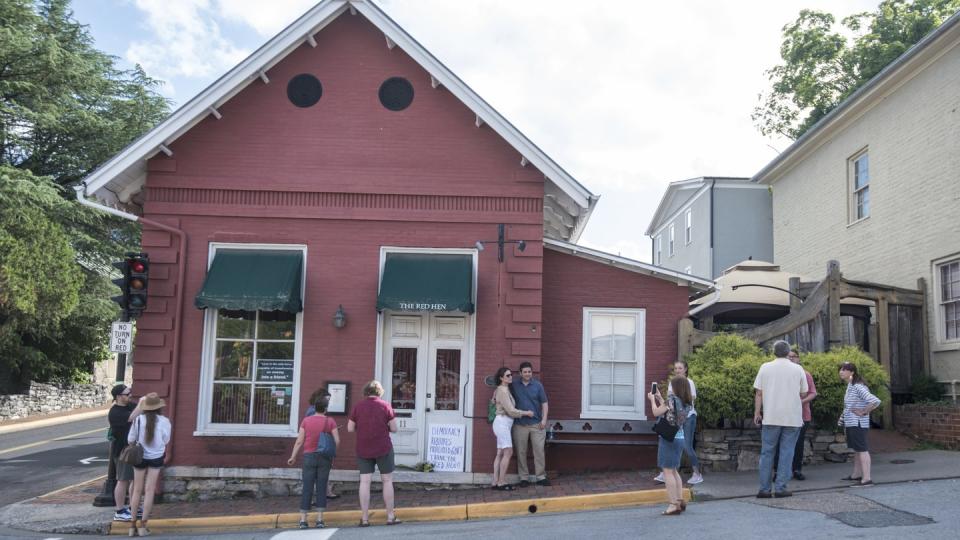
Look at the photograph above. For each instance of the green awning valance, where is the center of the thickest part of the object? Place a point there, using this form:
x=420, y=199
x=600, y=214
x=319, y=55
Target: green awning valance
x=426, y=282
x=250, y=280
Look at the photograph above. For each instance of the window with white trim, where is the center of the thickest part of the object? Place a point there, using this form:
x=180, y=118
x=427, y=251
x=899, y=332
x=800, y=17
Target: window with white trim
x=613, y=363
x=659, y=250
x=859, y=187
x=670, y=242
x=688, y=230
x=250, y=367
x=948, y=275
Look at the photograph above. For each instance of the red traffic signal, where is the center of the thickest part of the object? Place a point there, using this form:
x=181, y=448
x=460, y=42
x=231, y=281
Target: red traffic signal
x=133, y=283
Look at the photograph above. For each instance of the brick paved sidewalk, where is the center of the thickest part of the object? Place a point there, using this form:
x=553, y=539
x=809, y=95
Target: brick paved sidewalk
x=407, y=495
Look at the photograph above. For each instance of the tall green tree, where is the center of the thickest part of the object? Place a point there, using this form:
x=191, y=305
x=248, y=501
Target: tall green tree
x=65, y=107
x=822, y=66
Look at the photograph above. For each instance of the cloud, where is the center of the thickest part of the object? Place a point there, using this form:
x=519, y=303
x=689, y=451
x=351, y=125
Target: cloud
x=184, y=41
x=267, y=18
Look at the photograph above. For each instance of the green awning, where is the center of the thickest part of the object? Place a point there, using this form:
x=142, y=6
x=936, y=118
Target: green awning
x=250, y=280
x=426, y=282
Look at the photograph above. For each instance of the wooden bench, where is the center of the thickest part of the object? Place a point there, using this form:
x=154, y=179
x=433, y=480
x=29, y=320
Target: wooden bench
x=572, y=432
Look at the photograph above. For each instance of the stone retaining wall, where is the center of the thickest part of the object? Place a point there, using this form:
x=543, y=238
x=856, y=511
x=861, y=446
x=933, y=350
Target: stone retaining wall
x=739, y=449
x=47, y=398
x=937, y=423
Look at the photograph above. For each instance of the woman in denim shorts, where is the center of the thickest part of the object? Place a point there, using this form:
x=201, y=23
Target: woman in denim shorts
x=152, y=430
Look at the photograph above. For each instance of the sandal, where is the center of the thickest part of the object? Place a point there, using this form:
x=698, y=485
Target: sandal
x=682, y=504
x=334, y=496
x=394, y=521
x=504, y=487
x=363, y=523
x=668, y=512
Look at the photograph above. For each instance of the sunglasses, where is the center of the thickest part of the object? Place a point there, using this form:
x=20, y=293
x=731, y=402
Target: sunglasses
x=508, y=374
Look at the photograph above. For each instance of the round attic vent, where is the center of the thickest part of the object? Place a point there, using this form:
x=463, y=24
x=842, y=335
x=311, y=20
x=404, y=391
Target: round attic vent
x=396, y=93
x=304, y=90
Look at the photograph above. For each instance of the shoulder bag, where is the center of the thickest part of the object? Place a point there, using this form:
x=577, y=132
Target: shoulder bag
x=667, y=425
x=132, y=454
x=326, y=444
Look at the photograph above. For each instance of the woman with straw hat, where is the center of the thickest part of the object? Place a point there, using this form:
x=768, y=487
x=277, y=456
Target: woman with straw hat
x=152, y=430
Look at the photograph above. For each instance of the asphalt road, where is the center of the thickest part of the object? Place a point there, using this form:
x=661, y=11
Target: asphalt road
x=38, y=461
x=915, y=510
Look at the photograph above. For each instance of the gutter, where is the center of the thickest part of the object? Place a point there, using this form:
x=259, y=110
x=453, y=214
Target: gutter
x=713, y=271
x=178, y=314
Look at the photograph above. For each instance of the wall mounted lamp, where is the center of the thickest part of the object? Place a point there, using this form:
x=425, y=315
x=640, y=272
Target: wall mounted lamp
x=501, y=240
x=339, y=318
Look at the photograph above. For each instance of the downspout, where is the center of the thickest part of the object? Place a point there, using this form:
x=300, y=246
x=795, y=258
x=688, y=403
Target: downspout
x=713, y=261
x=178, y=314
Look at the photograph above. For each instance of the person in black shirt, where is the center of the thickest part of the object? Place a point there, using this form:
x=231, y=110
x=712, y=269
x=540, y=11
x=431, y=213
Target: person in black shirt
x=120, y=417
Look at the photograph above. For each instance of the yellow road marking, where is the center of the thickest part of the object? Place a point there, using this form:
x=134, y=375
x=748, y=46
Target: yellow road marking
x=63, y=438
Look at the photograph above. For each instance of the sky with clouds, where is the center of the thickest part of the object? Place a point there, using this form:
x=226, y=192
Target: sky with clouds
x=628, y=96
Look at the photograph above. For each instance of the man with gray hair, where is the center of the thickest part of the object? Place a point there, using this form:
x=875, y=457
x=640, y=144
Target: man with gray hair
x=777, y=408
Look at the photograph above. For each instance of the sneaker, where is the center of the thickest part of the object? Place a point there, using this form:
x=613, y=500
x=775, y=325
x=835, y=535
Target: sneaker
x=320, y=524
x=122, y=515
x=524, y=483
x=782, y=494
x=697, y=478
x=303, y=525
x=544, y=482
x=139, y=512
x=797, y=475
x=659, y=478
x=764, y=495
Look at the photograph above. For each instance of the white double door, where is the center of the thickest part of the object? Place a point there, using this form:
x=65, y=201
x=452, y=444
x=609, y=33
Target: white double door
x=426, y=363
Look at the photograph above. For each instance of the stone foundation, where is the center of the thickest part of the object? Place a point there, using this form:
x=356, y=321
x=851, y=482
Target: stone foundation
x=47, y=399
x=739, y=449
x=183, y=483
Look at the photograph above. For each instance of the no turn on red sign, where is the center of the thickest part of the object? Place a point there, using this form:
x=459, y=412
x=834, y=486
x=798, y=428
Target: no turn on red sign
x=121, y=337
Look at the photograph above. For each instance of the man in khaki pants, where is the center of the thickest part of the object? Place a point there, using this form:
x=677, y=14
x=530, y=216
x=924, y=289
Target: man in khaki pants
x=530, y=396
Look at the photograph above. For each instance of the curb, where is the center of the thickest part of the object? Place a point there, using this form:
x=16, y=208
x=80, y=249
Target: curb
x=459, y=512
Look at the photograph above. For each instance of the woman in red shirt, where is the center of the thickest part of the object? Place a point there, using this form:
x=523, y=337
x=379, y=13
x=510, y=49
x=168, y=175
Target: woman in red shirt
x=374, y=420
x=316, y=464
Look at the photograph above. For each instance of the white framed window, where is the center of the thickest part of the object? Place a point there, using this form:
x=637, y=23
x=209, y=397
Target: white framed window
x=613, y=381
x=859, y=173
x=659, y=249
x=948, y=300
x=251, y=364
x=688, y=229
x=670, y=241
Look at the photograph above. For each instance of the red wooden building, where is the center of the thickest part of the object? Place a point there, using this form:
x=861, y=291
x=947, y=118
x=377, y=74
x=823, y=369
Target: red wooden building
x=321, y=204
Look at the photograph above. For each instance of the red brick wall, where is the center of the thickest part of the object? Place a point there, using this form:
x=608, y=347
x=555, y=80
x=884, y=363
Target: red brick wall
x=935, y=423
x=344, y=177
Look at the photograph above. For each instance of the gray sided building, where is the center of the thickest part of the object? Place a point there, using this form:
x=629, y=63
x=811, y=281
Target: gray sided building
x=705, y=225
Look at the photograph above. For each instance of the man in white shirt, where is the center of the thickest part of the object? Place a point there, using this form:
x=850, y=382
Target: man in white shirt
x=779, y=385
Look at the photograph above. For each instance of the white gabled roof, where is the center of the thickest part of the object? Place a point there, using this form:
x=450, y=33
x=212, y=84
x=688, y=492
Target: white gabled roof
x=681, y=192
x=694, y=282
x=567, y=208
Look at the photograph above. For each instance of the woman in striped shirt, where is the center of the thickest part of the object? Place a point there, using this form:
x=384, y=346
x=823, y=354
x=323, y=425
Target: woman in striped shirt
x=857, y=404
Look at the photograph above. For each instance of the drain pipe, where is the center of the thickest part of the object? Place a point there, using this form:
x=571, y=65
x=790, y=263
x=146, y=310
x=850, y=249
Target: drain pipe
x=178, y=314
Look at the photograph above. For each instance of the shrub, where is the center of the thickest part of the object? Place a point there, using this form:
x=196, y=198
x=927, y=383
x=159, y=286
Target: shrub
x=926, y=389
x=725, y=367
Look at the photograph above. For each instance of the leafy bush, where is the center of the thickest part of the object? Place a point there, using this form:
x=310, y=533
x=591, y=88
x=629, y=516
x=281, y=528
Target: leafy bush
x=726, y=366
x=926, y=389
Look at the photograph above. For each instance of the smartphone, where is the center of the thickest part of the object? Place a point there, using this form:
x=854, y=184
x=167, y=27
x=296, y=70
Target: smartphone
x=653, y=388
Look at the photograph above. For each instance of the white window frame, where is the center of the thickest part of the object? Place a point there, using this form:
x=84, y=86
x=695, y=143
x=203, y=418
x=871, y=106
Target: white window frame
x=688, y=229
x=659, y=252
x=639, y=410
x=854, y=192
x=671, y=243
x=940, y=304
x=206, y=428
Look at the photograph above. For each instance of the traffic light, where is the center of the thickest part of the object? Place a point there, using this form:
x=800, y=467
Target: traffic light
x=134, y=270
x=139, y=265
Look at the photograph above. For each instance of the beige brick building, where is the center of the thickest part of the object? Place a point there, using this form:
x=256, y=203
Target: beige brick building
x=876, y=186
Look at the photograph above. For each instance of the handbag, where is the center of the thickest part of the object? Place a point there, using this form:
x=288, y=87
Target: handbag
x=491, y=411
x=132, y=454
x=327, y=445
x=667, y=425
